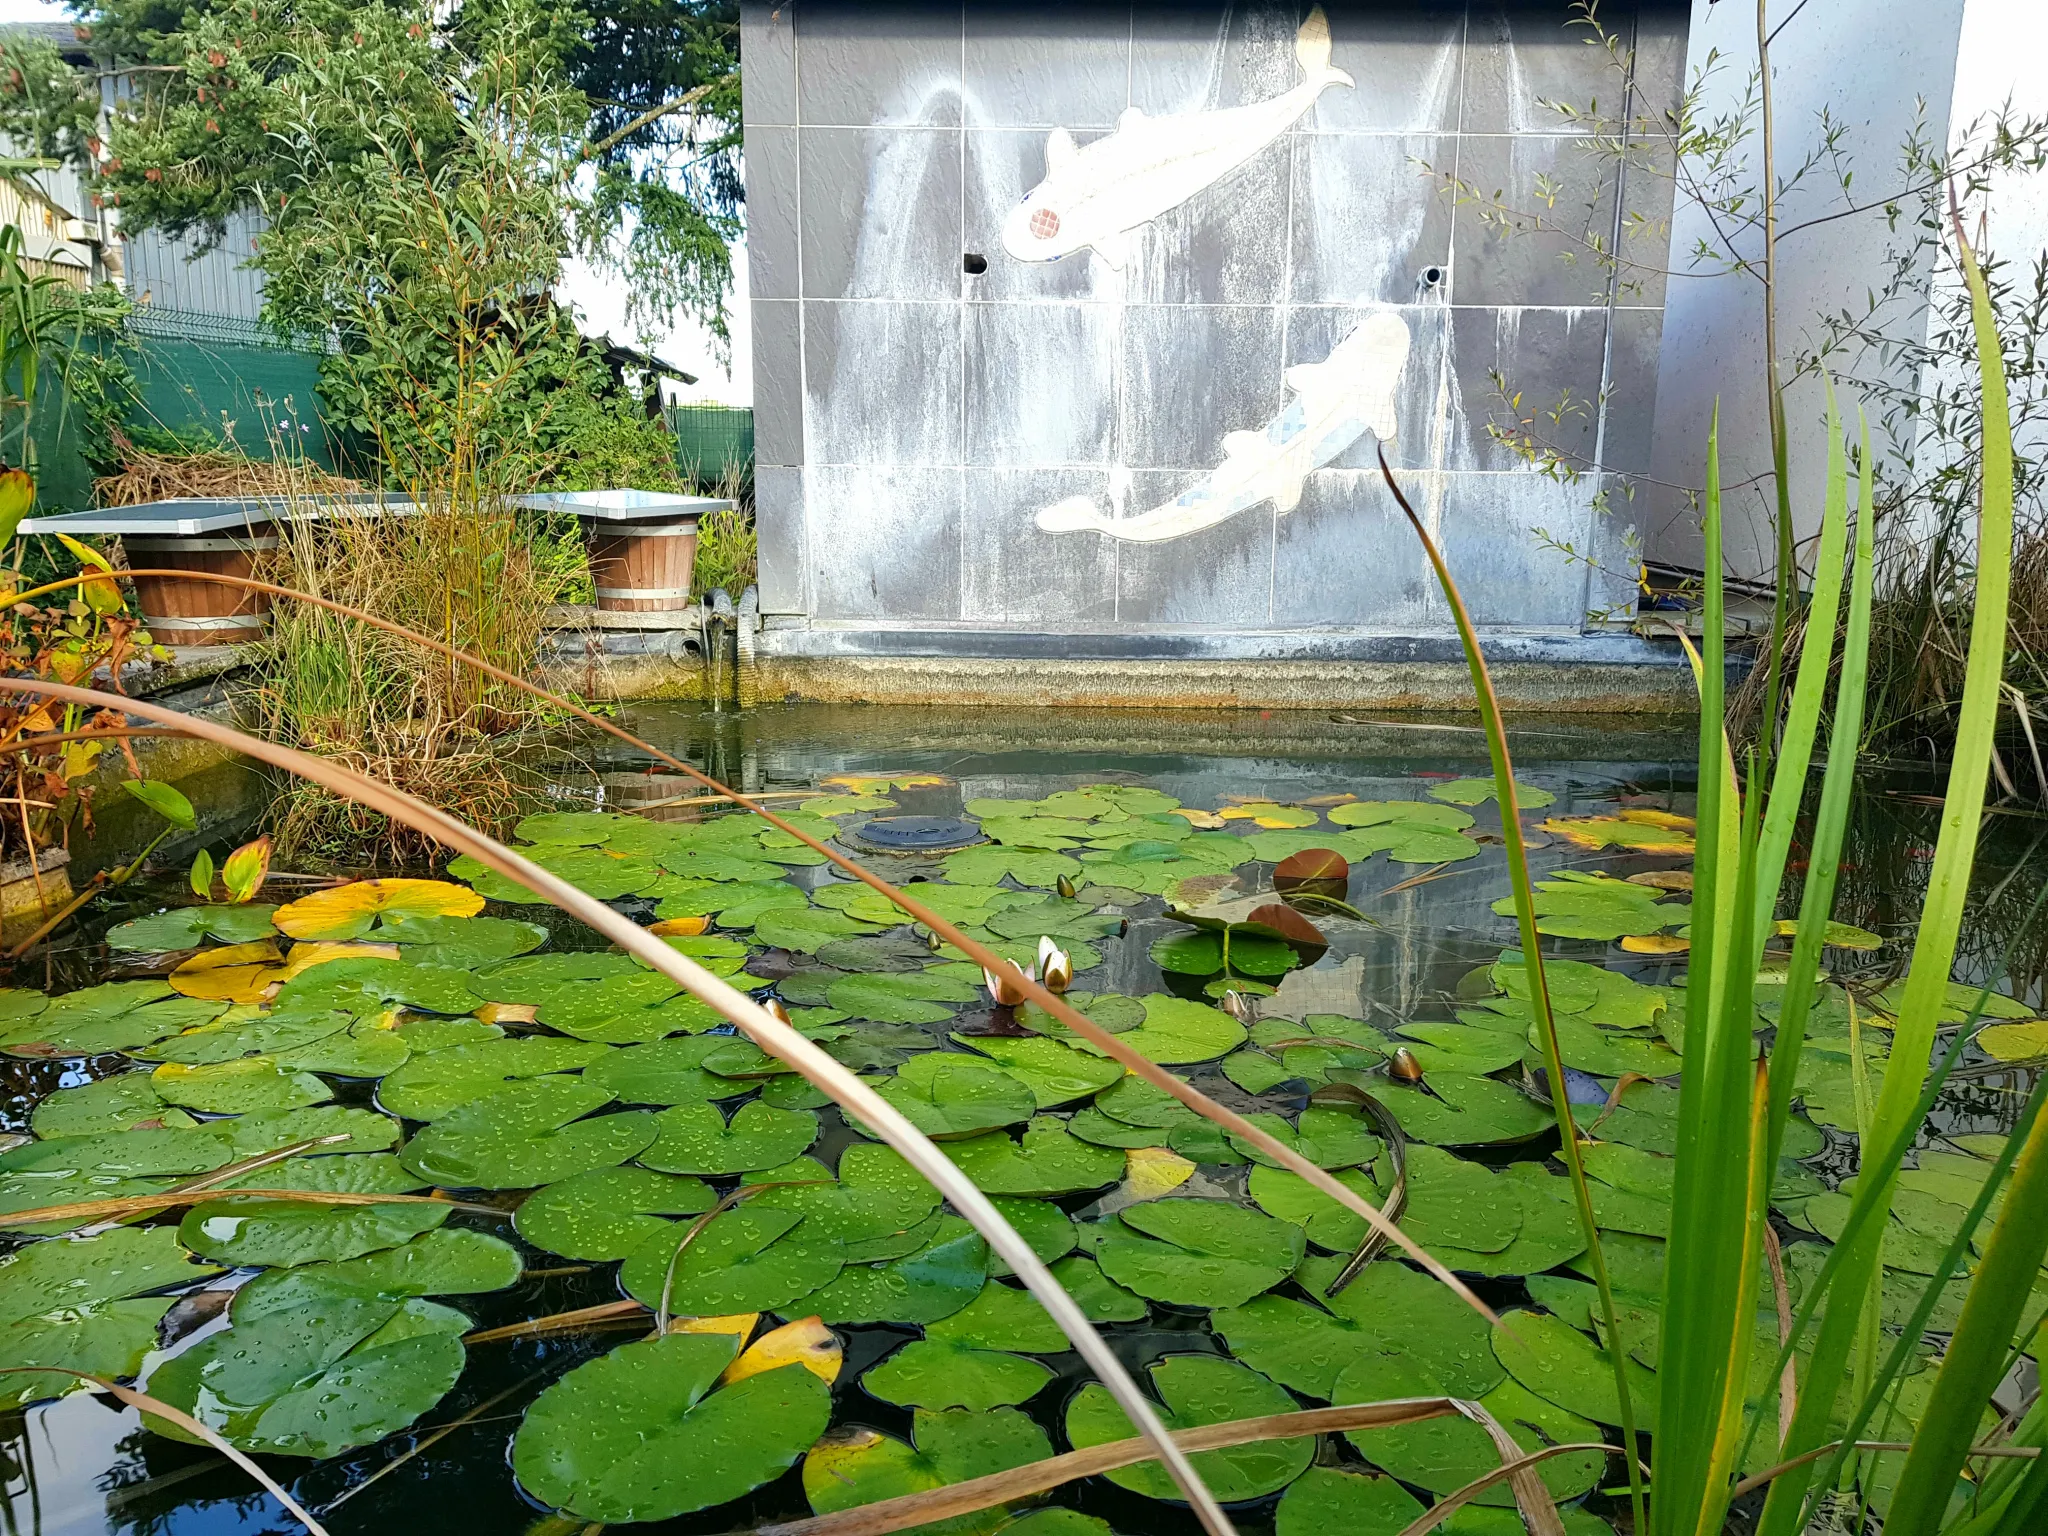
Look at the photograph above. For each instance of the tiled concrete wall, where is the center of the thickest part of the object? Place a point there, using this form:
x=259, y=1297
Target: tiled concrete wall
x=913, y=418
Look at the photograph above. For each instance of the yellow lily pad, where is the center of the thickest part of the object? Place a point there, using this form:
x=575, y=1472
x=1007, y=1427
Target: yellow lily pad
x=350, y=911
x=1655, y=944
x=1838, y=935
x=1266, y=814
x=2016, y=1042
x=882, y=783
x=1150, y=1172
x=806, y=1342
x=234, y=973
x=1663, y=879
x=1651, y=831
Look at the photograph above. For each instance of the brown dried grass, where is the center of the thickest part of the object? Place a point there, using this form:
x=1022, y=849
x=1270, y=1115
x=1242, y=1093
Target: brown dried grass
x=145, y=477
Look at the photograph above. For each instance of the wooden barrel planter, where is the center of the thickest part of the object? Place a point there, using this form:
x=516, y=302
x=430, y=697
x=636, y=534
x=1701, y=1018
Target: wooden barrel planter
x=642, y=567
x=178, y=612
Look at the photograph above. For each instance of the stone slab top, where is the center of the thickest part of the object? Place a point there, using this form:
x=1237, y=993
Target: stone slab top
x=191, y=515
x=623, y=505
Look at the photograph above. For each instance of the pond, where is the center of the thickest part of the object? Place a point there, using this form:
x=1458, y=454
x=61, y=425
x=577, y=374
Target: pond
x=469, y=1039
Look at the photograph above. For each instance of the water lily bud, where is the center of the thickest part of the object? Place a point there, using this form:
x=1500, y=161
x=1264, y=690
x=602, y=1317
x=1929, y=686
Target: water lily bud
x=1403, y=1067
x=1055, y=966
x=1065, y=886
x=1003, y=989
x=1241, y=1006
x=775, y=1009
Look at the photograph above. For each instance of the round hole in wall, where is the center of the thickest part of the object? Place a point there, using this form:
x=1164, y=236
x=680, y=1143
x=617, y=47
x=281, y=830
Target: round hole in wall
x=1431, y=276
x=974, y=264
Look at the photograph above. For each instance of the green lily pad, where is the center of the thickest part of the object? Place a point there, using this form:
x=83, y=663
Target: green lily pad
x=1254, y=1071
x=877, y=953
x=437, y=1083
x=934, y=1282
x=895, y=997
x=125, y=1102
x=462, y=943
x=856, y=1465
x=988, y=866
x=807, y=928
x=284, y=1232
x=1002, y=1317
x=531, y=978
x=113, y=1016
x=365, y=984
x=1048, y=1162
x=569, y=829
x=316, y=1380
x=666, y=1072
x=1197, y=1390
x=1573, y=904
x=1045, y=1228
x=1291, y=1198
x=1461, y=1048
x=1058, y=920
x=529, y=1134
x=1093, y=1126
x=1556, y=1362
x=949, y=1095
x=352, y=1173
x=1478, y=791
x=1444, y=1454
x=1550, y=1233
x=1308, y=1349
x=1601, y=996
x=268, y=1130
x=751, y=1258
x=1055, y=1074
x=1325, y=1499
x=1608, y=1053
x=697, y=1138
x=365, y=1049
x=1199, y=953
x=1460, y=1111
x=626, y=1010
x=608, y=1212
x=235, y=1087
x=738, y=905
x=1198, y=1253
x=929, y=1373
x=233, y=1036
x=879, y=1207
x=643, y=1433
x=1106, y=1010
x=1134, y=1101
x=446, y=1262
x=1330, y=1136
x=189, y=927
x=1176, y=1031
x=1414, y=813
x=67, y=1303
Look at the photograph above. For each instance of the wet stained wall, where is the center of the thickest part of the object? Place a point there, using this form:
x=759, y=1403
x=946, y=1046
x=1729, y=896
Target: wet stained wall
x=915, y=416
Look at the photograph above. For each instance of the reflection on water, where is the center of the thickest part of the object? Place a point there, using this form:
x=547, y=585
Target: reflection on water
x=84, y=1465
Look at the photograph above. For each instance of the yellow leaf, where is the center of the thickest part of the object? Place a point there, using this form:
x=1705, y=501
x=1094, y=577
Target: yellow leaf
x=1664, y=879
x=1628, y=830
x=806, y=1342
x=1206, y=821
x=350, y=911
x=1656, y=944
x=876, y=783
x=509, y=1013
x=1649, y=818
x=17, y=495
x=1836, y=935
x=1150, y=1172
x=679, y=927
x=101, y=595
x=2016, y=1042
x=234, y=973
x=739, y=1324
x=1266, y=814
x=255, y=952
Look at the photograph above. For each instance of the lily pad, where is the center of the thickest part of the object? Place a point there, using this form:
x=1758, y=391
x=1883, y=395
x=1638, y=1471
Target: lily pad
x=1463, y=1048
x=666, y=1072
x=527, y=1135
x=608, y=1212
x=1479, y=791
x=855, y=1465
x=1326, y=1499
x=1329, y=1136
x=1649, y=831
x=125, y=1102
x=1197, y=954
x=751, y=1258
x=1573, y=904
x=928, y=1373
x=437, y=1083
x=464, y=943
x=365, y=1049
x=1196, y=1390
x=1199, y=1253
x=644, y=1433
x=1055, y=1074
x=948, y=1095
x=807, y=928
x=1048, y=1162
x=877, y=1209
x=1176, y=1031
x=316, y=1380
x=1556, y=1362
x=698, y=1139
x=1444, y=1454
x=1308, y=1349
x=365, y=985
x=894, y=997
x=626, y=1010
x=1291, y=1198
x=1608, y=1053
x=285, y=1232
x=1459, y=1111
x=934, y=1282
x=235, y=1087
x=189, y=927
x=350, y=911
x=988, y=866
x=113, y=1016
x=67, y=1303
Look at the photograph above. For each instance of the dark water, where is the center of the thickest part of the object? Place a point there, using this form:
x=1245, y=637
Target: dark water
x=83, y=1464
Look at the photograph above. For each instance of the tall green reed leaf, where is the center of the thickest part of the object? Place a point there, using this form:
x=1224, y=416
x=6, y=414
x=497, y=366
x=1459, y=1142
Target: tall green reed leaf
x=1809, y=688
x=1970, y=1369
x=1941, y=915
x=1710, y=1272
x=1539, y=988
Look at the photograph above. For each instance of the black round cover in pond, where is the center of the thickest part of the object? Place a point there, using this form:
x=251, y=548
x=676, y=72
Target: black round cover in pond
x=917, y=834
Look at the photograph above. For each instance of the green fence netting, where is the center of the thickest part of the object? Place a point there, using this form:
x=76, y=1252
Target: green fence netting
x=713, y=441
